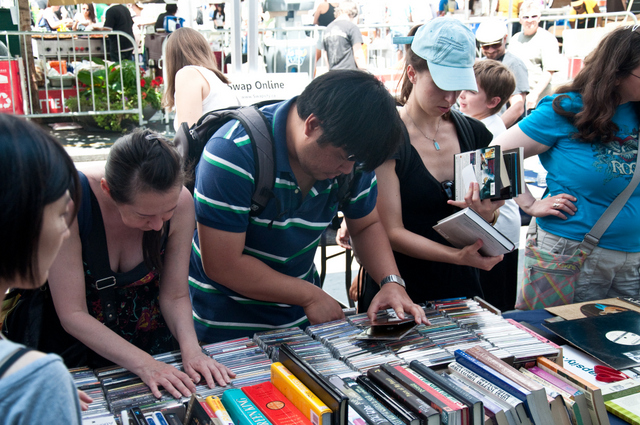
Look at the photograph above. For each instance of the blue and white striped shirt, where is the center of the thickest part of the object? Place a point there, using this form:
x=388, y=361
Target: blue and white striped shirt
x=223, y=190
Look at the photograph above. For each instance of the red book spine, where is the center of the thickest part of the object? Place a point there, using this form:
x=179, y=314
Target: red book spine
x=274, y=405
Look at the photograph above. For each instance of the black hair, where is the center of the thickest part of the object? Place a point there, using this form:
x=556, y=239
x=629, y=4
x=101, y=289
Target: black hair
x=171, y=8
x=356, y=113
x=142, y=162
x=35, y=171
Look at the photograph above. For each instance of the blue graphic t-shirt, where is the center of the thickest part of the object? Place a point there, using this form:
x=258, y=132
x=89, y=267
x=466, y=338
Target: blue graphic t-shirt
x=594, y=173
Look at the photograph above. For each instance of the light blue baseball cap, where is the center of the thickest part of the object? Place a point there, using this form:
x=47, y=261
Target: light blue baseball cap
x=449, y=48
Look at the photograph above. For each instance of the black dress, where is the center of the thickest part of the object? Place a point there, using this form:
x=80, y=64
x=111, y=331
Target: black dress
x=424, y=202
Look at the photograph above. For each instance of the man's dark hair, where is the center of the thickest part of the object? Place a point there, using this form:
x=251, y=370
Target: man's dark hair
x=35, y=171
x=356, y=113
x=171, y=8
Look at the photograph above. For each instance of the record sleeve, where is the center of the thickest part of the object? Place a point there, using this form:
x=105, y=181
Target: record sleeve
x=612, y=339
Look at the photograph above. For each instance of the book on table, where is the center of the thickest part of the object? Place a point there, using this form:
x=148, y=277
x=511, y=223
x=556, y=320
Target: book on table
x=423, y=410
x=626, y=408
x=515, y=407
x=358, y=403
x=466, y=226
x=274, y=405
x=474, y=404
x=405, y=415
x=241, y=409
x=575, y=399
x=362, y=392
x=494, y=413
x=451, y=412
x=499, y=174
x=593, y=394
x=538, y=403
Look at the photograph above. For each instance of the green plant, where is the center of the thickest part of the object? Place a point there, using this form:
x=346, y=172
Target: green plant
x=115, y=88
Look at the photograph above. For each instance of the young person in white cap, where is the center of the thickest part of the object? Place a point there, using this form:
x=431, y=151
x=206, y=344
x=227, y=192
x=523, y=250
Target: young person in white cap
x=415, y=186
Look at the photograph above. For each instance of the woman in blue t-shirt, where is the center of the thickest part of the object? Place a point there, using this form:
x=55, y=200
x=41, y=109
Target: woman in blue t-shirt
x=587, y=138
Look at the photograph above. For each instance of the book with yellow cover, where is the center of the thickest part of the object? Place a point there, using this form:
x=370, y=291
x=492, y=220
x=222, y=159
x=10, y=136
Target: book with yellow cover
x=218, y=408
x=301, y=397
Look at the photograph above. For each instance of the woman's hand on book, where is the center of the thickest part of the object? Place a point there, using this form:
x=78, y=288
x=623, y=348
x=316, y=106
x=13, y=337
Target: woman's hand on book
x=200, y=366
x=470, y=256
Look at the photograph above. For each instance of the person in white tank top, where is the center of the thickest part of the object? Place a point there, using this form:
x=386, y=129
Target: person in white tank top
x=194, y=83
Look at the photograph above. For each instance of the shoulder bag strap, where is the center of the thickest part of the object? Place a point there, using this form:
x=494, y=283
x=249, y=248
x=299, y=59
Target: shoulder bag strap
x=12, y=358
x=592, y=239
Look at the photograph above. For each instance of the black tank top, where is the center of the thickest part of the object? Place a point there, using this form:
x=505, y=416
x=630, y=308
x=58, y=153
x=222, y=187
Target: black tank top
x=327, y=17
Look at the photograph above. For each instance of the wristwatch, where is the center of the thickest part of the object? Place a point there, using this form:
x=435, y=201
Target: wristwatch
x=393, y=278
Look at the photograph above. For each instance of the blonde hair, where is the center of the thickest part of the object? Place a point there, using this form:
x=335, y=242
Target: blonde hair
x=185, y=47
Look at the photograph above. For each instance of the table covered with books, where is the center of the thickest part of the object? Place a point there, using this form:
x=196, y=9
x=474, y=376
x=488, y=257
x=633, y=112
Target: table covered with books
x=437, y=373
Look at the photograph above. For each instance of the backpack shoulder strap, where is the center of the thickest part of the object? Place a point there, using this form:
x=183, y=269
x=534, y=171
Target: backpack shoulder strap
x=259, y=131
x=8, y=361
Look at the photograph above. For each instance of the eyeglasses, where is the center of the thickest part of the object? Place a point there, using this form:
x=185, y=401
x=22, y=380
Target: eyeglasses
x=492, y=46
x=531, y=17
x=634, y=75
x=447, y=188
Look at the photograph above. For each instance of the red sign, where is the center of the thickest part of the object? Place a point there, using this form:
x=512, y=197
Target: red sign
x=10, y=91
x=54, y=103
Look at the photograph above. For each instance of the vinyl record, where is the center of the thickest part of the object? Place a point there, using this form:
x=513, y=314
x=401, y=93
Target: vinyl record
x=613, y=339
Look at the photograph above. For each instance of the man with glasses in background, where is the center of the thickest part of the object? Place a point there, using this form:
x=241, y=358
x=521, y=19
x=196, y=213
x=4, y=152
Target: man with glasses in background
x=492, y=37
x=538, y=49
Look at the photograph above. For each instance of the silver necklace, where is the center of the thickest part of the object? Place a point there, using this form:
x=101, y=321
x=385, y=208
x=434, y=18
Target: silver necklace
x=433, y=139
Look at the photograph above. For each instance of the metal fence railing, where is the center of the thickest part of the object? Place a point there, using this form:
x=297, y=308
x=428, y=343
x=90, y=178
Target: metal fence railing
x=56, y=74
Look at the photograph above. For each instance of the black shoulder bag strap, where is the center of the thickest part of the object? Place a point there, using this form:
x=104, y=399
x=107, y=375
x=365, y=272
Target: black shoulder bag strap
x=8, y=361
x=100, y=266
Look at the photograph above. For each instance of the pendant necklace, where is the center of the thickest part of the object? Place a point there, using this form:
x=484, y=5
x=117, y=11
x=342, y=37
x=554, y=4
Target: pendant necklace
x=433, y=139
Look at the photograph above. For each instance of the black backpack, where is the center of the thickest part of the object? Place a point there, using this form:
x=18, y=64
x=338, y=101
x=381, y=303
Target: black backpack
x=190, y=142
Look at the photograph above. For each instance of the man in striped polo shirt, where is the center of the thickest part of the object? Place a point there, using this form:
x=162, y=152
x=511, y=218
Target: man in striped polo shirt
x=251, y=274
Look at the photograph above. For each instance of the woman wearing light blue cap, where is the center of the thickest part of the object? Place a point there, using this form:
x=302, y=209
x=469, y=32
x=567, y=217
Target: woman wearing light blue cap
x=415, y=186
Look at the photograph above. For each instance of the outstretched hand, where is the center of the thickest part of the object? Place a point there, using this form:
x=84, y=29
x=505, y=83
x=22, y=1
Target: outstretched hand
x=158, y=374
x=201, y=366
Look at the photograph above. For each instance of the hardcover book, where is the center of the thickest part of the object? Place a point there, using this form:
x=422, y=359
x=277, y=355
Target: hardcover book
x=451, y=414
x=496, y=414
x=241, y=408
x=595, y=402
x=540, y=404
x=428, y=414
x=406, y=416
x=318, y=384
x=305, y=400
x=473, y=403
x=274, y=405
x=502, y=397
x=349, y=382
x=574, y=398
x=466, y=226
x=359, y=404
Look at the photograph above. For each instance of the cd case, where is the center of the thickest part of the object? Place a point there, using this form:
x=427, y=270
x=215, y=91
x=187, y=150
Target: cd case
x=389, y=328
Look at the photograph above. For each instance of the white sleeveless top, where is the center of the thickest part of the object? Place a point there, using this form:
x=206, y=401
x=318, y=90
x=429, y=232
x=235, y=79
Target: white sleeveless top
x=220, y=95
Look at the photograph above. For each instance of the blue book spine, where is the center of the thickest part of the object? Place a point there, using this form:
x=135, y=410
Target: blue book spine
x=241, y=409
x=493, y=376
